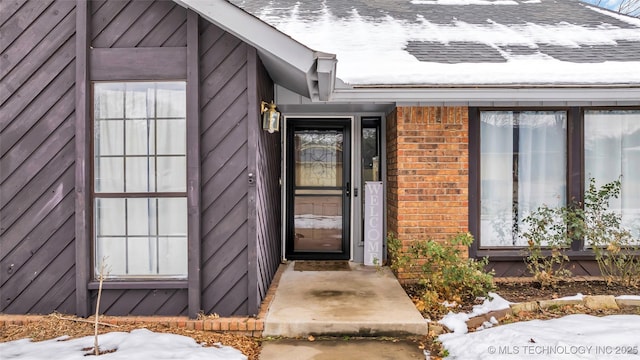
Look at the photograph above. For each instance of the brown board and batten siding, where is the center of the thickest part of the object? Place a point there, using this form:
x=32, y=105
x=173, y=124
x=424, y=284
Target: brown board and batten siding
x=37, y=230
x=44, y=201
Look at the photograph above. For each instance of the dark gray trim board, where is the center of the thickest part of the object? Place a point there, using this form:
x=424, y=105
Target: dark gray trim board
x=83, y=141
x=193, y=164
x=138, y=63
x=253, y=115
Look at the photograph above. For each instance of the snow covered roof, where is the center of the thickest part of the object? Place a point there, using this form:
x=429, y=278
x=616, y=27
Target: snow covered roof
x=291, y=64
x=465, y=43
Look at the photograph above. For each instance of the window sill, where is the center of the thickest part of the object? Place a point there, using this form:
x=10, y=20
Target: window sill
x=519, y=254
x=139, y=284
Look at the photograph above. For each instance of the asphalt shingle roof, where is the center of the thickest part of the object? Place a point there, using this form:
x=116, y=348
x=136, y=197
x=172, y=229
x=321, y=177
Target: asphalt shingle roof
x=536, y=21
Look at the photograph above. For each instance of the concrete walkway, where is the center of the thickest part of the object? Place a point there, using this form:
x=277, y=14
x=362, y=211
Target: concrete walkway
x=289, y=349
x=362, y=302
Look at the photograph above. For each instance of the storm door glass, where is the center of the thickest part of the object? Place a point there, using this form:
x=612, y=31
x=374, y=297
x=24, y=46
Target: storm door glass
x=318, y=190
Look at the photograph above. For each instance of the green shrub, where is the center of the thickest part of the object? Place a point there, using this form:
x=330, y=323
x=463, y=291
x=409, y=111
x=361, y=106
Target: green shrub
x=548, y=239
x=615, y=249
x=442, y=271
x=550, y=232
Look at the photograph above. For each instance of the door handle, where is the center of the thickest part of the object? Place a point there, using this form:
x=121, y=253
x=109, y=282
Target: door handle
x=347, y=191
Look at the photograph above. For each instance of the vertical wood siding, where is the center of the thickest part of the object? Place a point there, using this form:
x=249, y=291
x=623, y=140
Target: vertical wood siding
x=268, y=196
x=37, y=157
x=224, y=153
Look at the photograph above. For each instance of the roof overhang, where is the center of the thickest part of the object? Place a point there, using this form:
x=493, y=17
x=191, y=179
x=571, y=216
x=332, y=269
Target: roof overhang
x=620, y=95
x=289, y=63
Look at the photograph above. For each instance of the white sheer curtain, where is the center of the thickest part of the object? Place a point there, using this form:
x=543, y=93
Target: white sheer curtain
x=612, y=151
x=140, y=146
x=542, y=166
x=496, y=165
x=523, y=166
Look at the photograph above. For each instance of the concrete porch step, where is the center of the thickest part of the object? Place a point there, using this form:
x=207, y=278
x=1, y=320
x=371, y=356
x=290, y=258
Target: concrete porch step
x=362, y=302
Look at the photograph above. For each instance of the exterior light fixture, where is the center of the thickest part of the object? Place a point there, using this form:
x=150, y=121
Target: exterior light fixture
x=270, y=117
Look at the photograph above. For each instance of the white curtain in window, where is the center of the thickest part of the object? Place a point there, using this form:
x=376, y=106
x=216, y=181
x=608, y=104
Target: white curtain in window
x=142, y=236
x=109, y=137
x=612, y=151
x=523, y=166
x=496, y=165
x=140, y=146
x=542, y=162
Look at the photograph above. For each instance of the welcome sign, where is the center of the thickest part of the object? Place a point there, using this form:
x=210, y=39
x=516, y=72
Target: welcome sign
x=373, y=219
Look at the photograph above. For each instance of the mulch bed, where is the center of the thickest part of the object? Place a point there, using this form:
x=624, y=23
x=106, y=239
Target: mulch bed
x=531, y=291
x=53, y=326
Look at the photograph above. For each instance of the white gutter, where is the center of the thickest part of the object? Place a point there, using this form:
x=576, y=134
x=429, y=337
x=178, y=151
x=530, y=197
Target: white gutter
x=622, y=95
x=290, y=63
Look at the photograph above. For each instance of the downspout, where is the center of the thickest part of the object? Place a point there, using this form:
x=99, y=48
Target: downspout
x=325, y=76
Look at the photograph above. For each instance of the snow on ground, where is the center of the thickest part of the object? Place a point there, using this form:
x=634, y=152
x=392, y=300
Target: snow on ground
x=569, y=337
x=140, y=344
x=456, y=322
x=577, y=296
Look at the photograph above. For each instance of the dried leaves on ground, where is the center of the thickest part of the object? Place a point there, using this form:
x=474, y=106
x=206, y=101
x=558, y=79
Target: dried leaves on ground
x=56, y=325
x=531, y=291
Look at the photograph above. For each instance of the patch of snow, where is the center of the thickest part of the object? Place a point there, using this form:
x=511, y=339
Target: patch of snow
x=138, y=344
x=628, y=297
x=577, y=296
x=450, y=304
x=456, y=322
x=488, y=324
x=494, y=303
x=569, y=337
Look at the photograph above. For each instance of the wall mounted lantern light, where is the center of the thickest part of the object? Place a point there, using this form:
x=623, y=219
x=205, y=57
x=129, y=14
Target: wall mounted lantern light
x=270, y=117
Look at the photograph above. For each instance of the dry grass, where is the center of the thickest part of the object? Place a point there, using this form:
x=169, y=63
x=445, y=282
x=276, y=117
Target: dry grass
x=53, y=326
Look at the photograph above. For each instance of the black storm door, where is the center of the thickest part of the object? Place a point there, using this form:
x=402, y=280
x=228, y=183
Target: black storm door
x=318, y=194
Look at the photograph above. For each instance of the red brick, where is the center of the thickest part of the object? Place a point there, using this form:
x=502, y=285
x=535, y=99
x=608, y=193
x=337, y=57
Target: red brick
x=427, y=172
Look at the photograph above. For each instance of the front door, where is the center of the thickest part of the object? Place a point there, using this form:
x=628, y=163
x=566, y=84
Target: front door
x=318, y=191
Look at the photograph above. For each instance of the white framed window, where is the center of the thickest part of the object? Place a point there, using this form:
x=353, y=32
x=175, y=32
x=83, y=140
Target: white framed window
x=139, y=173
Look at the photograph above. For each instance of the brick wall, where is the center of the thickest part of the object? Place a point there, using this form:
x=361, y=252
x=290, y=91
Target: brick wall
x=427, y=172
